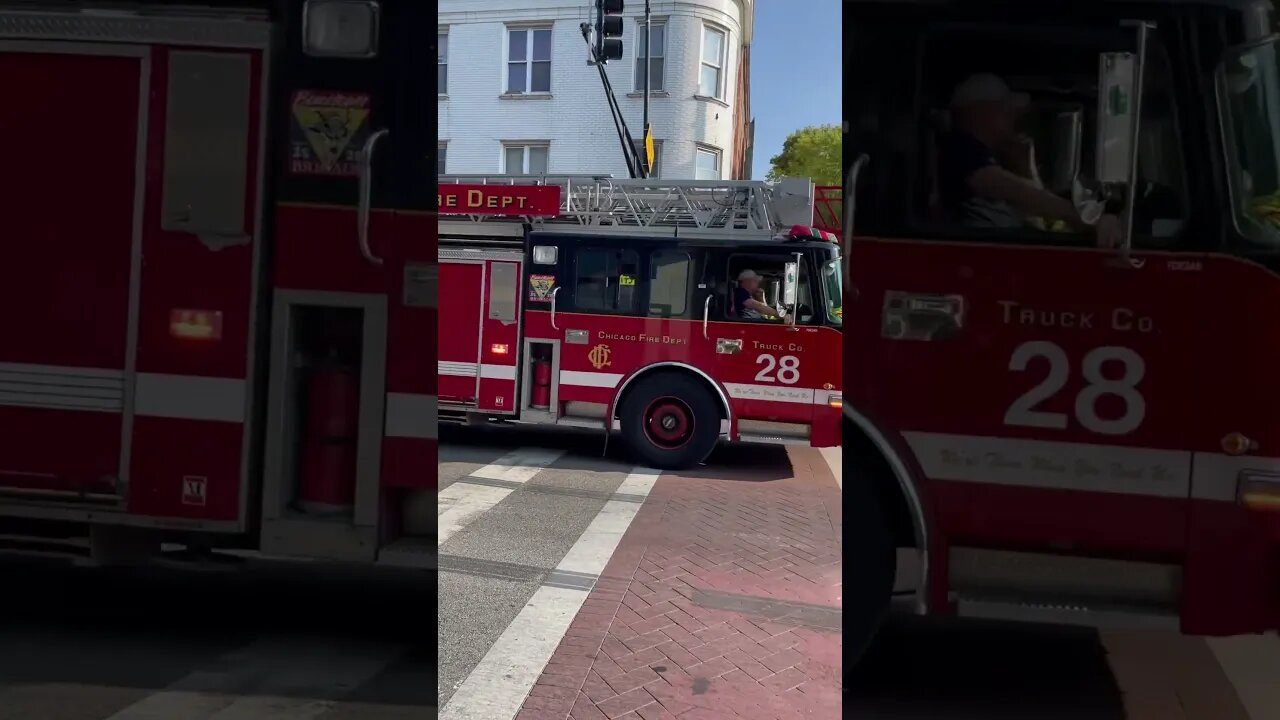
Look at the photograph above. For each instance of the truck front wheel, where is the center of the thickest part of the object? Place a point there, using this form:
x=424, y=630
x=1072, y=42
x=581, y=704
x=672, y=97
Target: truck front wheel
x=670, y=421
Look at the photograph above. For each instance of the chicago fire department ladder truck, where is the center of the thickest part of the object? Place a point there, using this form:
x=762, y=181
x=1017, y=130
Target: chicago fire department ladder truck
x=216, y=278
x=600, y=303
x=1049, y=429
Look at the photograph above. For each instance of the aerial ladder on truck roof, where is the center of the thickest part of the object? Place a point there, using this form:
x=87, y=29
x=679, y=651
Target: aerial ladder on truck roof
x=730, y=210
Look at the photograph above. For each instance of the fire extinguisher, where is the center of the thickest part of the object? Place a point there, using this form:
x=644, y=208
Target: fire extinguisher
x=327, y=483
x=541, y=384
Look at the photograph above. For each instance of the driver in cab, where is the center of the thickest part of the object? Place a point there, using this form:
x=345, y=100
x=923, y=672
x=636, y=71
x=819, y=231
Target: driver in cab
x=748, y=298
x=982, y=191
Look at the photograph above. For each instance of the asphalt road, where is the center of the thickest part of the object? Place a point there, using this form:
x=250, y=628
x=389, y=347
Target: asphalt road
x=287, y=642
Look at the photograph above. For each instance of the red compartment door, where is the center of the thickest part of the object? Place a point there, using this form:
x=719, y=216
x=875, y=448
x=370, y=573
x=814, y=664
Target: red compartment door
x=461, y=295
x=68, y=238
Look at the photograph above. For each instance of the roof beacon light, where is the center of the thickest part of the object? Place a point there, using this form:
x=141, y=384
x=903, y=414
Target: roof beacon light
x=340, y=28
x=807, y=232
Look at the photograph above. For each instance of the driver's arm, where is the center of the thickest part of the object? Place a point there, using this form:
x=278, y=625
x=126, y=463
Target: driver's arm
x=760, y=307
x=995, y=183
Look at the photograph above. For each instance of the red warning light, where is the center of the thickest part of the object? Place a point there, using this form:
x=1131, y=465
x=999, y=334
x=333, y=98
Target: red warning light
x=186, y=324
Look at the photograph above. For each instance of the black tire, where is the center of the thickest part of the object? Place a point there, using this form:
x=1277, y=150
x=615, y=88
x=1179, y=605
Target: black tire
x=870, y=558
x=663, y=398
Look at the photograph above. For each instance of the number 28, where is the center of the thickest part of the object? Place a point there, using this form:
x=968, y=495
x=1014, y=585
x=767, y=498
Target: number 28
x=788, y=369
x=1023, y=413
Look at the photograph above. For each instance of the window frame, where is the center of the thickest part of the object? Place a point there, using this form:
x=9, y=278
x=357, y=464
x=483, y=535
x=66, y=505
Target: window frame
x=525, y=146
x=637, y=76
x=442, y=61
x=721, y=69
x=703, y=148
x=529, y=60
x=442, y=156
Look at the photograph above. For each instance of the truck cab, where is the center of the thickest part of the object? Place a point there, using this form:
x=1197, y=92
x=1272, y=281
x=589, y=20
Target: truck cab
x=1043, y=422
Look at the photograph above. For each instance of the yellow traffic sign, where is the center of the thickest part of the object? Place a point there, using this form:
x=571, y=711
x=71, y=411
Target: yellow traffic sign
x=648, y=147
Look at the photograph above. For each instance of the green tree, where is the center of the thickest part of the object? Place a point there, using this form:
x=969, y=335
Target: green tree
x=812, y=152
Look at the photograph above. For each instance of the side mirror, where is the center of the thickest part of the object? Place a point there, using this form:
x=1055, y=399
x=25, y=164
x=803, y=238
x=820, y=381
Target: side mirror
x=1117, y=116
x=1120, y=77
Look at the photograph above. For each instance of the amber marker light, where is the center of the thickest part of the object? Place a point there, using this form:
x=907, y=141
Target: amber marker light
x=1260, y=491
x=1237, y=444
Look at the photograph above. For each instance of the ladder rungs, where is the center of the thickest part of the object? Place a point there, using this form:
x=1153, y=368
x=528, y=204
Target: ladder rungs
x=746, y=209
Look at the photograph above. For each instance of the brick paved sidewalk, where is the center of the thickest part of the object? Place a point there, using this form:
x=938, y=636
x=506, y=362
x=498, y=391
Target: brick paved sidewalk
x=722, y=600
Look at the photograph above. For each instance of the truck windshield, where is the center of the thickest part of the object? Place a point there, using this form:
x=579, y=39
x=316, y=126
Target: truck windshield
x=1249, y=90
x=833, y=286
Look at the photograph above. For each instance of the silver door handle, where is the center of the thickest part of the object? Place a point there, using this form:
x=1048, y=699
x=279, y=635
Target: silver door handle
x=706, y=313
x=553, y=309
x=366, y=195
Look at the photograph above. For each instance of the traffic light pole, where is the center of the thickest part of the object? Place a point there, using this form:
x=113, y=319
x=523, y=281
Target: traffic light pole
x=609, y=29
x=634, y=167
x=648, y=63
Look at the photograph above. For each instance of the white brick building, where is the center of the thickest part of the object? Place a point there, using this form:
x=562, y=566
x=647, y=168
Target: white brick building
x=517, y=94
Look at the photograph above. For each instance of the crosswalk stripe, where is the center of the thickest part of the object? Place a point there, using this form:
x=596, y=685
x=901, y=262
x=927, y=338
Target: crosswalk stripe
x=271, y=679
x=1251, y=662
x=519, y=465
x=1167, y=676
x=462, y=502
x=498, y=685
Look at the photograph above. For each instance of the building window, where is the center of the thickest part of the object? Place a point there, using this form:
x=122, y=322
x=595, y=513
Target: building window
x=442, y=62
x=525, y=158
x=529, y=60
x=706, y=165
x=442, y=151
x=657, y=58
x=711, y=79
x=657, y=156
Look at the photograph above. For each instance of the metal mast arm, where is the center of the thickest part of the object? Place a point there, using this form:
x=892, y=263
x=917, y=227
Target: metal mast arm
x=634, y=168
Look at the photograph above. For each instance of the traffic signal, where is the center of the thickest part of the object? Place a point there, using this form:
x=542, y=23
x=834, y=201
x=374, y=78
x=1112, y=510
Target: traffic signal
x=608, y=30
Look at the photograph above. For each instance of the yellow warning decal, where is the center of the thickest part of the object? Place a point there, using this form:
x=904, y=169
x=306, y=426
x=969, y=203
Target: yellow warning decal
x=328, y=132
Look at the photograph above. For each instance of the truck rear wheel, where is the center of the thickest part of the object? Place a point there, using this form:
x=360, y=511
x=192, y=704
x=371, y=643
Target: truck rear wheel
x=871, y=556
x=670, y=421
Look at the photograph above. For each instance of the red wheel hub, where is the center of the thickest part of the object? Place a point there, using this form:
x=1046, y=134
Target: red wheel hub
x=668, y=423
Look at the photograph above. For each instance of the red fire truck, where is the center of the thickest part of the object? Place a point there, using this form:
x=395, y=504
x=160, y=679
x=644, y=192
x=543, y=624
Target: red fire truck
x=218, y=276
x=601, y=303
x=1043, y=424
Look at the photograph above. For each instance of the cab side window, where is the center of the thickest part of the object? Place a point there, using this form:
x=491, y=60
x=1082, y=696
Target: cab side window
x=669, y=275
x=1028, y=101
x=759, y=278
x=605, y=280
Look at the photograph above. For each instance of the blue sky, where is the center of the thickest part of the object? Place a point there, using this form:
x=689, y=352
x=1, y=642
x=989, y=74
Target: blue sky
x=795, y=72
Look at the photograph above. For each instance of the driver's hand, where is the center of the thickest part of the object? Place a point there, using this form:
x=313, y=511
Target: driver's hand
x=1109, y=231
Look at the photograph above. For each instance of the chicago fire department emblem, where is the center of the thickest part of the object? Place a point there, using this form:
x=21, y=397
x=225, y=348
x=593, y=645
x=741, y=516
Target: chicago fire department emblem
x=328, y=132
x=540, y=287
x=599, y=356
